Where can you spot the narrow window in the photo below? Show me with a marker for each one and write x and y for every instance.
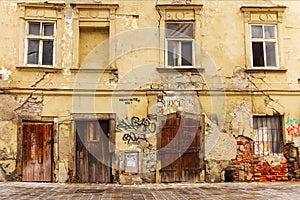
(179, 43)
(264, 46)
(268, 135)
(40, 43)
(93, 131)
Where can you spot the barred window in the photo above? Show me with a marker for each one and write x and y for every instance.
(268, 135)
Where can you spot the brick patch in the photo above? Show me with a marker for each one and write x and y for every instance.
(250, 167)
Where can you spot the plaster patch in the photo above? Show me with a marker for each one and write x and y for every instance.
(8, 140)
(5, 74)
(225, 148)
(274, 160)
(239, 80)
(241, 116)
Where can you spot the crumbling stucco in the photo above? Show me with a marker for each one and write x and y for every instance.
(218, 145)
(241, 118)
(66, 152)
(8, 150)
(32, 107)
(239, 80)
(4, 74)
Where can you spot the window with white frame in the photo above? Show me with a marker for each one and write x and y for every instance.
(268, 135)
(40, 39)
(264, 46)
(179, 44)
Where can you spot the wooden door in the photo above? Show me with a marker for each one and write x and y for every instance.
(180, 147)
(93, 158)
(37, 152)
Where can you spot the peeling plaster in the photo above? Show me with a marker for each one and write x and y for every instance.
(67, 42)
(218, 145)
(31, 107)
(241, 116)
(8, 140)
(7, 170)
(274, 161)
(225, 148)
(171, 102)
(8, 109)
(5, 73)
(239, 80)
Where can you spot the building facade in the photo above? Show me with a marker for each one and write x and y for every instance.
(149, 91)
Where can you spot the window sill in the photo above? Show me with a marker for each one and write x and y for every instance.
(177, 69)
(38, 68)
(91, 70)
(259, 70)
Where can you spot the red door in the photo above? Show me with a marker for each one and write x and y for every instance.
(37, 151)
(181, 140)
(92, 148)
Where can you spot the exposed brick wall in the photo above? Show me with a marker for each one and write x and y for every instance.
(250, 167)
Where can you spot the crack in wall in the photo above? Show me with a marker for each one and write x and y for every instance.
(31, 107)
(40, 80)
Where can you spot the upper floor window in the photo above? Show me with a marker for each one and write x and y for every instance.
(264, 46)
(180, 44)
(179, 23)
(263, 37)
(40, 43)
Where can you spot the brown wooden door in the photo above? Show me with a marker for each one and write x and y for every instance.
(180, 148)
(37, 152)
(93, 158)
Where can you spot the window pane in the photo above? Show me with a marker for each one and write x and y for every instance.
(187, 53)
(269, 32)
(33, 52)
(34, 28)
(270, 54)
(48, 29)
(180, 30)
(173, 53)
(256, 32)
(257, 54)
(47, 52)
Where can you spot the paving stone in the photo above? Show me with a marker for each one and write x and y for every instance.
(184, 191)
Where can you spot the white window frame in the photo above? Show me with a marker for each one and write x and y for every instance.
(180, 40)
(264, 40)
(41, 38)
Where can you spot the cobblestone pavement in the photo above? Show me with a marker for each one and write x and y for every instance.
(220, 191)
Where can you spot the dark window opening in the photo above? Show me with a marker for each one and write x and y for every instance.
(258, 54)
(47, 52)
(33, 52)
(187, 53)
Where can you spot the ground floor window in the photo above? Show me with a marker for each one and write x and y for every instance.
(268, 135)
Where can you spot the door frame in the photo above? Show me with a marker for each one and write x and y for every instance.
(20, 144)
(111, 117)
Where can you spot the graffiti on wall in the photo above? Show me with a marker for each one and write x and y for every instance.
(136, 123)
(293, 127)
(137, 131)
